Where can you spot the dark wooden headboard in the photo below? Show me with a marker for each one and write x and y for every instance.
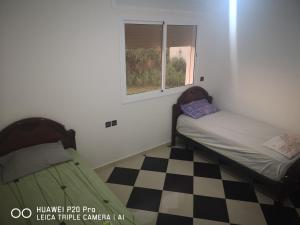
(34, 131)
(192, 94)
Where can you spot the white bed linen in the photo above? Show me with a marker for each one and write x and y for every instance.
(239, 138)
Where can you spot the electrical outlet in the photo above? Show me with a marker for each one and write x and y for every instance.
(114, 123)
(202, 78)
(108, 124)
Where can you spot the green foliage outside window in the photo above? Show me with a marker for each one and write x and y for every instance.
(175, 72)
(143, 70)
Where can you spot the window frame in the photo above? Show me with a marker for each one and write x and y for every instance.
(162, 91)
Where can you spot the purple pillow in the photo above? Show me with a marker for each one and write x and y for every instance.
(199, 108)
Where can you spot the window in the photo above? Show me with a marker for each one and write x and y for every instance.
(143, 57)
(181, 42)
(158, 56)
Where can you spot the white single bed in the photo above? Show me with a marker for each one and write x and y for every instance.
(239, 138)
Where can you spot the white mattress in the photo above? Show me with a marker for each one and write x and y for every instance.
(240, 139)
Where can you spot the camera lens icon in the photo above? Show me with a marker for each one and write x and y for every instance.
(17, 213)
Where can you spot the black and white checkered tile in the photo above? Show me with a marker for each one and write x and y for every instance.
(184, 187)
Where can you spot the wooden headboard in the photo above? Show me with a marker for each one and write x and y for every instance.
(34, 131)
(192, 94)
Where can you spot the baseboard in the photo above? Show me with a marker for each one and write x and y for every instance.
(165, 143)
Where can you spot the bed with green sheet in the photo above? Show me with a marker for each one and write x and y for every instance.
(65, 193)
(70, 187)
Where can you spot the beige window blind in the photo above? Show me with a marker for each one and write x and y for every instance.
(143, 35)
(181, 35)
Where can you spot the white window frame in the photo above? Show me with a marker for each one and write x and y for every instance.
(163, 91)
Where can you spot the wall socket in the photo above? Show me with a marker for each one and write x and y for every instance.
(202, 78)
(111, 123)
(107, 124)
(114, 123)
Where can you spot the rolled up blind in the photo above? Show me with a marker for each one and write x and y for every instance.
(143, 35)
(181, 35)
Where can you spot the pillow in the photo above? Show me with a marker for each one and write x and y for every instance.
(1, 169)
(199, 108)
(32, 159)
(3, 160)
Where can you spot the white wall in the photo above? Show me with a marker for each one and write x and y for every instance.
(267, 84)
(60, 59)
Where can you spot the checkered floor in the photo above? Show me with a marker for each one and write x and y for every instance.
(177, 186)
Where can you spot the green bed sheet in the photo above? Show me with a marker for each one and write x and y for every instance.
(72, 188)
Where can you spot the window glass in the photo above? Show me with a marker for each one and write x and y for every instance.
(181, 44)
(143, 46)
